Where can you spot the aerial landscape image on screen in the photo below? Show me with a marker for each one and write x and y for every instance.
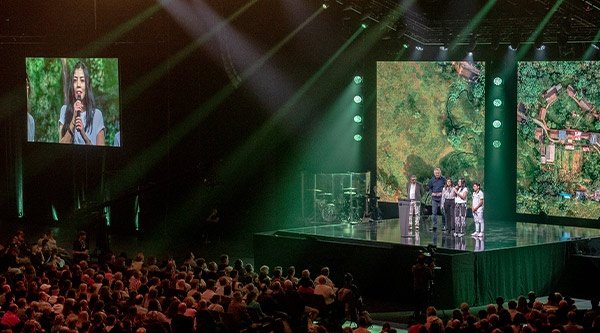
(558, 128)
(429, 114)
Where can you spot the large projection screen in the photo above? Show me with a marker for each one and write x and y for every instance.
(558, 133)
(429, 114)
(73, 101)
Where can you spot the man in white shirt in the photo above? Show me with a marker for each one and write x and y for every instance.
(414, 189)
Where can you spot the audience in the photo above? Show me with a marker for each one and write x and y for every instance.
(42, 290)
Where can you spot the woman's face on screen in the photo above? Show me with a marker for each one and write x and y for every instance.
(79, 83)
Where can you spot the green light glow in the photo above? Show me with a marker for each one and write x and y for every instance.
(358, 99)
(497, 102)
(54, 213)
(357, 137)
(364, 25)
(497, 81)
(470, 27)
(358, 79)
(358, 119)
(538, 30)
(497, 123)
(497, 143)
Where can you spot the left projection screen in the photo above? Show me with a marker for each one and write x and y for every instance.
(73, 101)
(429, 114)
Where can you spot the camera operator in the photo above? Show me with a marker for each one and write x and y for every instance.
(422, 273)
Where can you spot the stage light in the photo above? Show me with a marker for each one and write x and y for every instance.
(364, 25)
(497, 80)
(514, 42)
(470, 54)
(472, 43)
(405, 45)
(357, 99)
(358, 119)
(496, 143)
(443, 48)
(358, 79)
(497, 123)
(595, 46)
(357, 137)
(539, 43)
(325, 5)
(497, 102)
(419, 48)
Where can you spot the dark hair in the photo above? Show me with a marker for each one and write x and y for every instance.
(89, 100)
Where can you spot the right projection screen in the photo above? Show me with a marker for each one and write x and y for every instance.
(558, 133)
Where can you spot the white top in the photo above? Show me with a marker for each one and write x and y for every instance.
(413, 189)
(92, 132)
(460, 200)
(477, 198)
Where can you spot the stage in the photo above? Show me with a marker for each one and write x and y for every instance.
(512, 258)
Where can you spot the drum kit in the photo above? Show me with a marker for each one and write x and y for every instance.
(348, 207)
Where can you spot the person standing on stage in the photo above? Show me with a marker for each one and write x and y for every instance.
(477, 208)
(436, 184)
(448, 196)
(460, 207)
(414, 189)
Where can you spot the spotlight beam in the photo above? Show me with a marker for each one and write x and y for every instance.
(470, 27)
(152, 155)
(93, 48)
(590, 51)
(153, 76)
(524, 48)
(262, 139)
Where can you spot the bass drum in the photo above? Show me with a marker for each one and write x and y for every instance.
(329, 213)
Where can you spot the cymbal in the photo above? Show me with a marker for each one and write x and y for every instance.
(349, 189)
(313, 190)
(349, 193)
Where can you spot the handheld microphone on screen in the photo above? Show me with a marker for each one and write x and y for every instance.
(78, 99)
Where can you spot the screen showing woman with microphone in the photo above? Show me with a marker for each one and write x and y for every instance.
(80, 121)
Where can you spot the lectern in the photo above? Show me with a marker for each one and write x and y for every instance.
(403, 210)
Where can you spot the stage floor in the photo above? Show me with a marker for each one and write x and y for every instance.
(497, 235)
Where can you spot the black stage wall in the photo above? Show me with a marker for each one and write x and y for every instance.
(382, 270)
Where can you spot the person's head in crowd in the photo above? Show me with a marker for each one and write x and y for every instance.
(224, 259)
(431, 311)
(504, 318)
(321, 280)
(491, 309)
(288, 285)
(457, 314)
(325, 271)
(264, 269)
(249, 269)
(154, 305)
(499, 302)
(482, 314)
(436, 326)
(519, 319)
(203, 305)
(212, 266)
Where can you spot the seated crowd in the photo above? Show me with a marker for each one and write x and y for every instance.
(48, 289)
(44, 291)
(524, 315)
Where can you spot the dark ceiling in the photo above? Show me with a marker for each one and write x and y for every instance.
(435, 22)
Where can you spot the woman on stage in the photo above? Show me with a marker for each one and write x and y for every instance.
(460, 207)
(448, 196)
